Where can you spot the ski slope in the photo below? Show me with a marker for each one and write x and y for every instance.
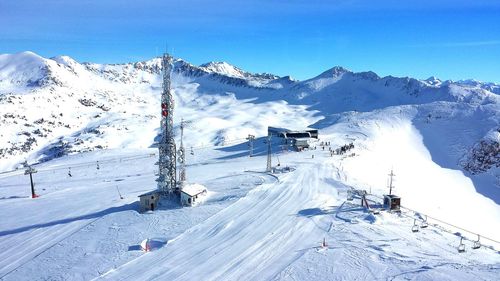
(250, 239)
(74, 211)
(253, 226)
(66, 116)
(279, 226)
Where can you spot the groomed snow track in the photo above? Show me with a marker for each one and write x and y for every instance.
(252, 239)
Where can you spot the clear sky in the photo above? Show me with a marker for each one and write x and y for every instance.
(450, 39)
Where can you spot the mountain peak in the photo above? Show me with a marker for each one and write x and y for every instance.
(21, 58)
(223, 68)
(215, 64)
(335, 71)
(433, 80)
(21, 69)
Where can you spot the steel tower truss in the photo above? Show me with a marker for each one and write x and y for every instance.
(167, 150)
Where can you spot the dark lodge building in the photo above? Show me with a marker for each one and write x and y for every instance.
(289, 134)
(299, 139)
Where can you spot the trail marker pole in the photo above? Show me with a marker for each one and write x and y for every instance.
(121, 197)
(30, 172)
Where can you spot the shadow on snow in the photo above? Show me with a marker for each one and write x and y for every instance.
(99, 214)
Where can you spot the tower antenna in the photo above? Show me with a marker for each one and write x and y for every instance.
(167, 182)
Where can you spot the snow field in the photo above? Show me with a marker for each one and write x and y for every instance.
(253, 226)
(251, 245)
(271, 233)
(80, 224)
(424, 185)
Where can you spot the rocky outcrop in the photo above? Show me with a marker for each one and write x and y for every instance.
(483, 156)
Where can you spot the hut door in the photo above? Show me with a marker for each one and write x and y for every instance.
(152, 207)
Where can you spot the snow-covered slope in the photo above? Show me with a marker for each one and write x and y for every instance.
(52, 107)
(439, 137)
(48, 101)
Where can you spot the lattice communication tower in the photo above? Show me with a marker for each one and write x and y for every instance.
(167, 182)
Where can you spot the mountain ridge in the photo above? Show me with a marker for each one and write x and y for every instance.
(103, 97)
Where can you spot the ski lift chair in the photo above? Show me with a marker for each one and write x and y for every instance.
(477, 244)
(424, 223)
(414, 228)
(461, 247)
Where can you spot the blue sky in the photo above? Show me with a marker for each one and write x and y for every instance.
(302, 38)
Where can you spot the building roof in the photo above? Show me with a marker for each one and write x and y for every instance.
(287, 133)
(193, 189)
(277, 129)
(149, 193)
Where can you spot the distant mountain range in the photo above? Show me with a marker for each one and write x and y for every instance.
(52, 107)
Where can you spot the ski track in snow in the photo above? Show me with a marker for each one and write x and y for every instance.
(255, 235)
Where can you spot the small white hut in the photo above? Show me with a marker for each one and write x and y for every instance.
(149, 201)
(192, 193)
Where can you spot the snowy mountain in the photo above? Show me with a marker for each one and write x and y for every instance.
(226, 69)
(72, 103)
(440, 137)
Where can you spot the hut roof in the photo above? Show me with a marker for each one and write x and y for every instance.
(152, 192)
(193, 189)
